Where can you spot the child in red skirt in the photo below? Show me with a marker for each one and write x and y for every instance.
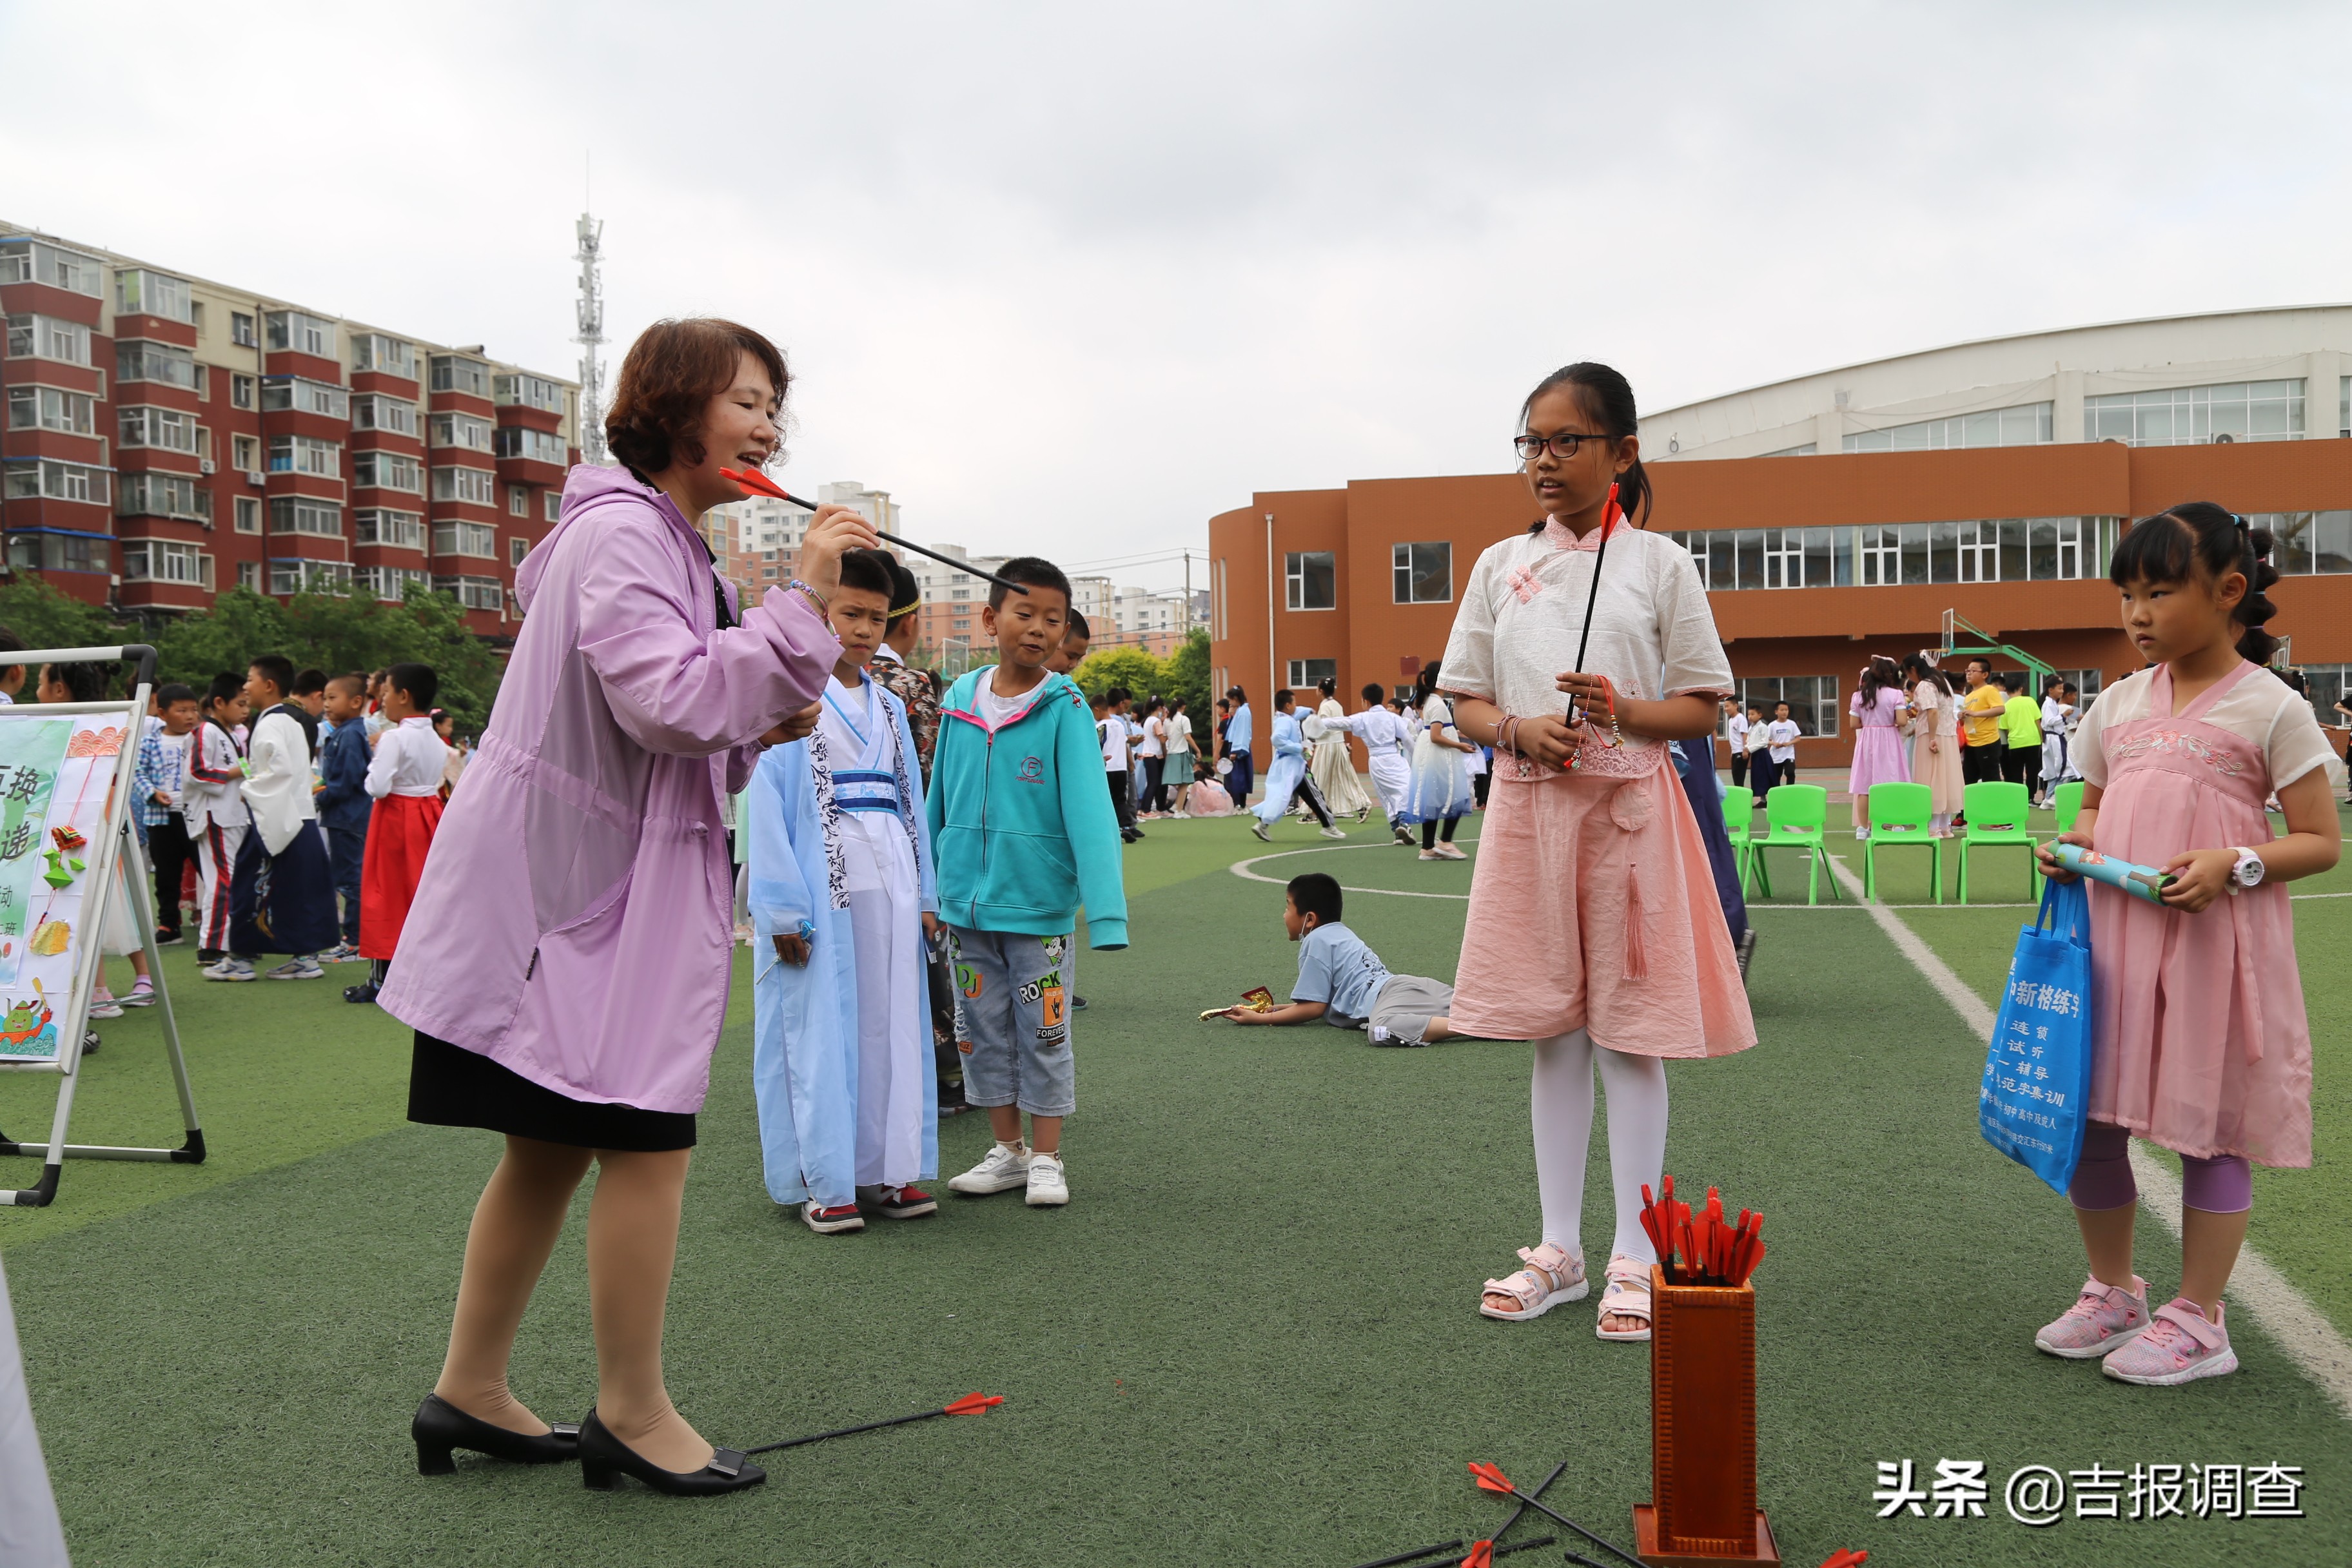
(405, 777)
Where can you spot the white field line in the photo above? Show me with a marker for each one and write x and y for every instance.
(1241, 868)
(2300, 1329)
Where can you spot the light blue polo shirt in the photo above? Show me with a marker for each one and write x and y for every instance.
(1338, 970)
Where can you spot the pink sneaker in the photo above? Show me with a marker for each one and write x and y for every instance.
(2179, 1346)
(2103, 1318)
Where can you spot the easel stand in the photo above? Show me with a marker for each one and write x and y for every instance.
(115, 853)
(1702, 1430)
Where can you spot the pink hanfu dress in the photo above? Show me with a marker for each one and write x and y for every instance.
(2201, 1042)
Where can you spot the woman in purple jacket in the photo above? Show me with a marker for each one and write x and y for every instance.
(566, 961)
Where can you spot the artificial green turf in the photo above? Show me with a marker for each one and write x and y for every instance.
(1251, 1338)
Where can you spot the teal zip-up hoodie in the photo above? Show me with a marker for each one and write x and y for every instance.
(1023, 828)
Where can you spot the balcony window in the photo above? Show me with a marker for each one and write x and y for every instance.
(394, 583)
(303, 455)
(52, 408)
(528, 391)
(165, 561)
(478, 539)
(45, 479)
(164, 495)
(1424, 573)
(462, 430)
(46, 337)
(455, 373)
(473, 592)
(240, 330)
(282, 393)
(386, 471)
(139, 292)
(300, 514)
(60, 550)
(473, 486)
(138, 359)
(373, 411)
(2192, 415)
(374, 525)
(1309, 580)
(2026, 424)
(297, 332)
(538, 445)
(163, 429)
(35, 261)
(373, 351)
(300, 574)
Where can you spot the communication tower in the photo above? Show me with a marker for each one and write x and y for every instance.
(591, 339)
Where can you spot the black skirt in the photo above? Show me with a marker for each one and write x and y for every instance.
(449, 1085)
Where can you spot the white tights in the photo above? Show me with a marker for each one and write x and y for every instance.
(1561, 1101)
(1939, 821)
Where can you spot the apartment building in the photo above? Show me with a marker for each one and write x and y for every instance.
(167, 437)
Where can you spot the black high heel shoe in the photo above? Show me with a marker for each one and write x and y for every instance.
(440, 1426)
(605, 1459)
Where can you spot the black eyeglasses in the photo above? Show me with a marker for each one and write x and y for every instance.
(1563, 444)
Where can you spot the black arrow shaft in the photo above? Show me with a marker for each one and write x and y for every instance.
(844, 1431)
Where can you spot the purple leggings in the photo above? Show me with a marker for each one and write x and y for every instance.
(2224, 1184)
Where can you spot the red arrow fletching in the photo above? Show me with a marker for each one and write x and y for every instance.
(1491, 1478)
(752, 479)
(974, 1403)
(1482, 1555)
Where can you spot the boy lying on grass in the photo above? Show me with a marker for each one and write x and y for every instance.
(1344, 982)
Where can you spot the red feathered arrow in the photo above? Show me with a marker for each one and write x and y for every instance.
(970, 1404)
(752, 479)
(1492, 1480)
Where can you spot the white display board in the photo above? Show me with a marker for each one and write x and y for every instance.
(57, 775)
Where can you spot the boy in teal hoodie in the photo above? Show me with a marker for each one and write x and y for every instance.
(1023, 834)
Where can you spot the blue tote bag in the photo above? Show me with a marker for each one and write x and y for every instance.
(2037, 1074)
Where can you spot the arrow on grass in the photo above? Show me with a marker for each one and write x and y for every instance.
(1483, 1553)
(1491, 1478)
(970, 1404)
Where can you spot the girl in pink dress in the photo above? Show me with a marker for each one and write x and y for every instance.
(1935, 742)
(2199, 1039)
(1877, 709)
(1594, 928)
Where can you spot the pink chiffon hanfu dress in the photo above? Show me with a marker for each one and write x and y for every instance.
(2200, 1039)
(1592, 905)
(1878, 742)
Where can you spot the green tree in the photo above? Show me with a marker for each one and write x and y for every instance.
(1129, 666)
(43, 618)
(339, 635)
(1185, 674)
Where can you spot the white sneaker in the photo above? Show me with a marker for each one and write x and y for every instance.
(1333, 833)
(230, 969)
(1005, 1168)
(1048, 1188)
(105, 1007)
(1258, 828)
(301, 967)
(1446, 851)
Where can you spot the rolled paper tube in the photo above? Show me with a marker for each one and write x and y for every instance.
(2141, 881)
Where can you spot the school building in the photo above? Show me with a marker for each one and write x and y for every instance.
(1850, 513)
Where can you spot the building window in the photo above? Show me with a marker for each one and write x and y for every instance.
(2001, 549)
(516, 548)
(1425, 572)
(473, 485)
(46, 336)
(373, 525)
(2026, 425)
(2191, 415)
(164, 429)
(1312, 579)
(29, 260)
(282, 393)
(245, 453)
(373, 411)
(394, 583)
(478, 539)
(296, 333)
(248, 514)
(300, 574)
(2308, 543)
(303, 455)
(44, 479)
(165, 561)
(551, 504)
(1812, 700)
(300, 514)
(60, 550)
(537, 446)
(473, 592)
(139, 292)
(530, 392)
(518, 500)
(387, 471)
(1807, 450)
(462, 430)
(163, 495)
(248, 575)
(240, 330)
(241, 392)
(1308, 674)
(454, 373)
(52, 408)
(168, 363)
(391, 356)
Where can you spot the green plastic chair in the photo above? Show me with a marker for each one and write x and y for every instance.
(2067, 804)
(1998, 814)
(1795, 818)
(1899, 814)
(1738, 818)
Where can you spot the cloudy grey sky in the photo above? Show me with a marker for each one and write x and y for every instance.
(1071, 278)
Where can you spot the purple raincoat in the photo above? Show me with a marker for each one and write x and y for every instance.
(574, 921)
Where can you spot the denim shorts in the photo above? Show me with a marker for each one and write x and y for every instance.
(1013, 1019)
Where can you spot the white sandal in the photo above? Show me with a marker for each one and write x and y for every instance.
(1551, 1278)
(1627, 1295)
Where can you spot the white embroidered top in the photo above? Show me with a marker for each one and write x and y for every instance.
(2261, 709)
(1523, 610)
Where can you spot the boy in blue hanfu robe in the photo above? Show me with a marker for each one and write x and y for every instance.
(1288, 779)
(841, 871)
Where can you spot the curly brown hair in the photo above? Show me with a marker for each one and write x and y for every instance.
(671, 373)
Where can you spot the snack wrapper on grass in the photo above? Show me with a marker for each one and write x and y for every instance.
(2141, 881)
(1257, 999)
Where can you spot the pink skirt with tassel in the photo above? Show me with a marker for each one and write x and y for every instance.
(1593, 907)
